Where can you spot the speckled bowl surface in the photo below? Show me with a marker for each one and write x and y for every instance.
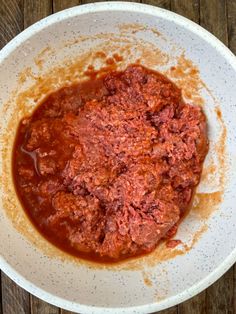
(52, 53)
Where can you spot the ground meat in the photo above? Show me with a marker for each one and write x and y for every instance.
(106, 168)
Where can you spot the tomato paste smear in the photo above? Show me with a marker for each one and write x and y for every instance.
(106, 168)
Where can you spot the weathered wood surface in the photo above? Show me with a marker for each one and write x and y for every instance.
(59, 5)
(11, 20)
(231, 19)
(14, 299)
(164, 4)
(217, 16)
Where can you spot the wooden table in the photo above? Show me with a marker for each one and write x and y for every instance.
(217, 16)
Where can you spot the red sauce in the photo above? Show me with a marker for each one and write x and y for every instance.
(106, 168)
(173, 243)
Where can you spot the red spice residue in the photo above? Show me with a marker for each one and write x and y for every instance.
(117, 57)
(110, 61)
(173, 243)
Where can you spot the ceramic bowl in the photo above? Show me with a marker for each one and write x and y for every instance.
(55, 52)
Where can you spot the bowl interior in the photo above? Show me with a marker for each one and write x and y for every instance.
(55, 52)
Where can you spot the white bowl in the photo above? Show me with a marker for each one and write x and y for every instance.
(160, 39)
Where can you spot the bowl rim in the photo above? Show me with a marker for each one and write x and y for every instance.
(182, 22)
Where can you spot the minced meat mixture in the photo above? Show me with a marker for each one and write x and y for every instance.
(106, 168)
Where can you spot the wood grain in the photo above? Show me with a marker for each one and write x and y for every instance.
(59, 5)
(164, 4)
(220, 296)
(40, 307)
(11, 20)
(234, 289)
(1, 311)
(231, 15)
(14, 299)
(187, 8)
(36, 10)
(172, 310)
(196, 305)
(88, 1)
(213, 17)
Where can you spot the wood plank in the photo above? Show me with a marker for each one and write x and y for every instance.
(164, 4)
(59, 5)
(14, 299)
(1, 311)
(40, 307)
(89, 1)
(125, 0)
(172, 310)
(36, 10)
(231, 14)
(187, 8)
(220, 296)
(234, 296)
(196, 305)
(213, 17)
(11, 21)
